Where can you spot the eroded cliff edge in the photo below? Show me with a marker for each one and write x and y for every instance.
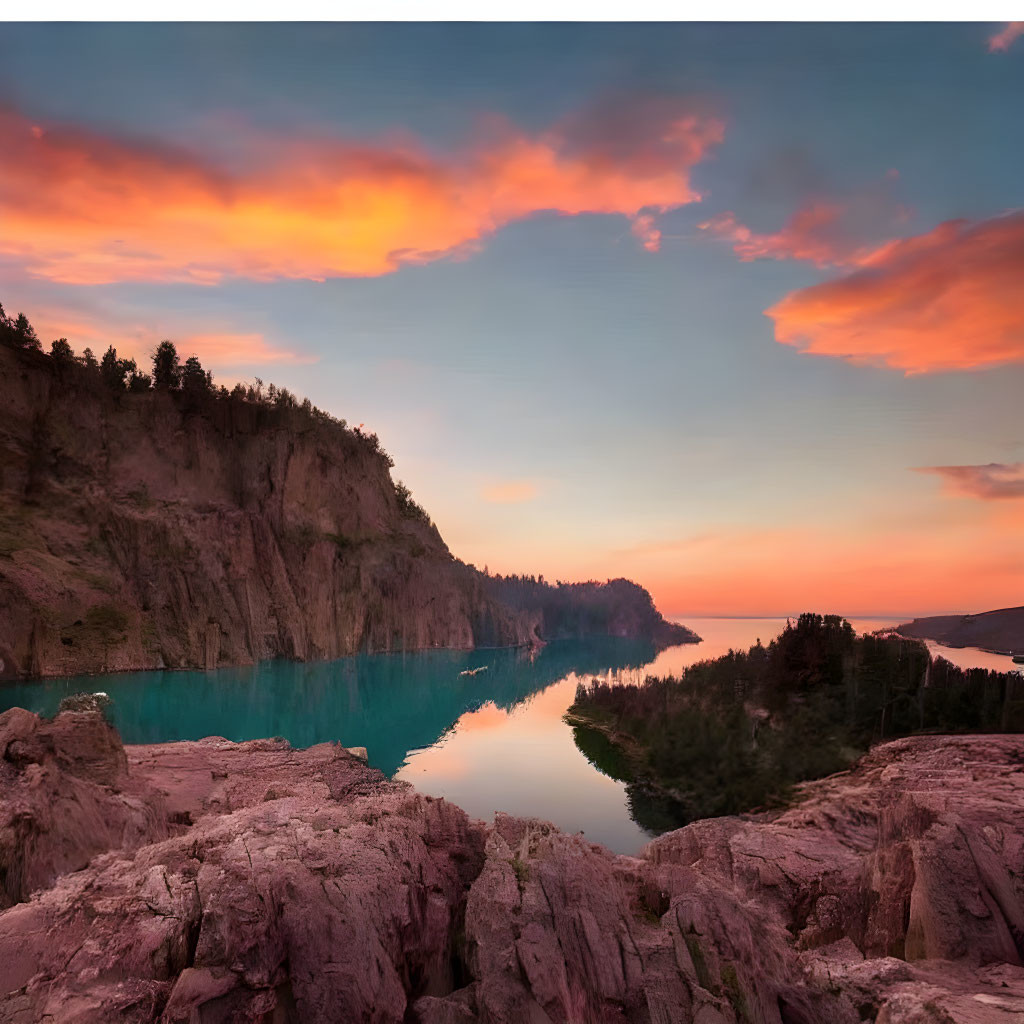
(253, 882)
(150, 530)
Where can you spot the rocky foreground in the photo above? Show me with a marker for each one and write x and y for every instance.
(212, 881)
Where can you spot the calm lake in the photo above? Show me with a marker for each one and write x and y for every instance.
(493, 740)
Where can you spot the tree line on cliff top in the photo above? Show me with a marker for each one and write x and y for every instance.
(586, 608)
(736, 733)
(188, 382)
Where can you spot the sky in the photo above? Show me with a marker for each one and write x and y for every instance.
(733, 310)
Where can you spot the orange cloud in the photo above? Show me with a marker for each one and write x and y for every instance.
(83, 208)
(510, 492)
(945, 300)
(989, 482)
(1004, 39)
(812, 234)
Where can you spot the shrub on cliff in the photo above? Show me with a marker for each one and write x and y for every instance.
(137, 380)
(408, 506)
(196, 383)
(24, 333)
(88, 362)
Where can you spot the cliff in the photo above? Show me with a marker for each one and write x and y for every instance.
(617, 608)
(158, 529)
(252, 882)
(1001, 631)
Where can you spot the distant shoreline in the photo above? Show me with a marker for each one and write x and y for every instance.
(999, 632)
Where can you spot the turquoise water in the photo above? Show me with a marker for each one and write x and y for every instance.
(399, 706)
(389, 703)
(492, 741)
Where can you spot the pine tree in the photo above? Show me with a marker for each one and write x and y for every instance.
(62, 352)
(166, 367)
(194, 380)
(113, 370)
(24, 334)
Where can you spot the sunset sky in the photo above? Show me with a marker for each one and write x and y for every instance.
(734, 310)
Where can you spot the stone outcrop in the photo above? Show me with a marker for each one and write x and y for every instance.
(302, 886)
(144, 531)
(901, 881)
(65, 796)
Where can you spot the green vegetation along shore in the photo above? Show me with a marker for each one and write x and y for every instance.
(737, 733)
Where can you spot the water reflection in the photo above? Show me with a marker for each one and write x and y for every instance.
(389, 703)
(483, 728)
(523, 760)
(972, 657)
(491, 740)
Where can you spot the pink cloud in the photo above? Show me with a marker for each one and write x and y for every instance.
(645, 228)
(989, 482)
(813, 234)
(826, 231)
(97, 329)
(1005, 38)
(228, 349)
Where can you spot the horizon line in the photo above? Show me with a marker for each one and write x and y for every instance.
(902, 616)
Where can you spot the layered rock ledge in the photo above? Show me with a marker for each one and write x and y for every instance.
(212, 881)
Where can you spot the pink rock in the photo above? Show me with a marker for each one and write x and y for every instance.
(65, 796)
(281, 885)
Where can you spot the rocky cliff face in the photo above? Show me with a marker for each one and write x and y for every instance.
(303, 886)
(139, 532)
(618, 608)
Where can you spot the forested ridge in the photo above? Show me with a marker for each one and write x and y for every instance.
(736, 733)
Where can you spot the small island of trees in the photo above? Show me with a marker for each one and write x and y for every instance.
(736, 733)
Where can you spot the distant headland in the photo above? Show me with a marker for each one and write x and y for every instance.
(1000, 631)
